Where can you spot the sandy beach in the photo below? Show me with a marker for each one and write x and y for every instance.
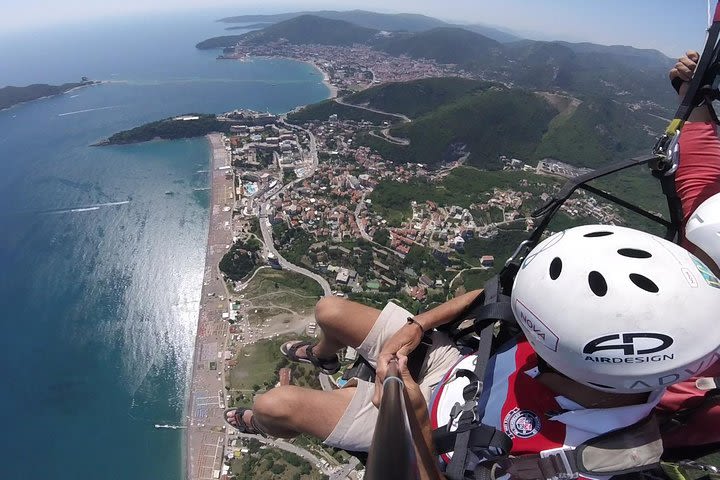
(206, 398)
(326, 80)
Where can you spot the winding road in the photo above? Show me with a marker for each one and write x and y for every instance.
(402, 117)
(270, 246)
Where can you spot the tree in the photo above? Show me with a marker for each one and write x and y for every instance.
(382, 236)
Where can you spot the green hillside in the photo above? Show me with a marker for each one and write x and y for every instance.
(224, 41)
(391, 22)
(444, 45)
(599, 131)
(417, 97)
(169, 129)
(379, 21)
(307, 29)
(492, 123)
(463, 187)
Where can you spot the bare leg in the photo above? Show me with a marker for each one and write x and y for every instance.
(288, 411)
(343, 323)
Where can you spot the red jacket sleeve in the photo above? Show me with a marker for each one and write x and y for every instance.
(698, 176)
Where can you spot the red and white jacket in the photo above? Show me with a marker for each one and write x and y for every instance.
(696, 180)
(514, 402)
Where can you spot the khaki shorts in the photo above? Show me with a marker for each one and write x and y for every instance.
(355, 429)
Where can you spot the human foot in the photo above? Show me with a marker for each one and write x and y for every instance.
(242, 420)
(303, 352)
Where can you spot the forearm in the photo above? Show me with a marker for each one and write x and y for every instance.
(446, 312)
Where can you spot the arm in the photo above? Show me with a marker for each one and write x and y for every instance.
(418, 417)
(409, 336)
(698, 176)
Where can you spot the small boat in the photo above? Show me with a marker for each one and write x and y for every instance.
(168, 192)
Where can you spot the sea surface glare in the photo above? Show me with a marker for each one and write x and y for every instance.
(100, 270)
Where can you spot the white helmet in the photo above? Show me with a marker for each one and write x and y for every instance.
(617, 309)
(703, 228)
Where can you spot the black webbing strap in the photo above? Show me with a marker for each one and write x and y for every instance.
(681, 417)
(456, 468)
(709, 56)
(491, 437)
(484, 314)
(667, 182)
(548, 210)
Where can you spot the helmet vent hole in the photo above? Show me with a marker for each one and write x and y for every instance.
(597, 234)
(555, 268)
(634, 253)
(597, 283)
(643, 282)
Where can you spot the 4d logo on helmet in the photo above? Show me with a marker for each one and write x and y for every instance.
(632, 347)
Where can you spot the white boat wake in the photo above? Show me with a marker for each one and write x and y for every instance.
(174, 427)
(87, 110)
(85, 208)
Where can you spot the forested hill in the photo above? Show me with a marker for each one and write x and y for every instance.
(306, 29)
(185, 126)
(389, 22)
(626, 73)
(10, 96)
(416, 97)
(453, 116)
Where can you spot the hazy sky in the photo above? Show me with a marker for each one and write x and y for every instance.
(667, 25)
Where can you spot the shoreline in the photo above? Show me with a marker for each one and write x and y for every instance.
(199, 437)
(326, 77)
(205, 433)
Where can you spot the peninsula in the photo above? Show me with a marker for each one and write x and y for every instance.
(174, 128)
(10, 96)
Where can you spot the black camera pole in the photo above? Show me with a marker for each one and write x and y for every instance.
(392, 452)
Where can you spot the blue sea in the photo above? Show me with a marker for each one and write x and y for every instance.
(100, 269)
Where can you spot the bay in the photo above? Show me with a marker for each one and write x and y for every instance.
(100, 269)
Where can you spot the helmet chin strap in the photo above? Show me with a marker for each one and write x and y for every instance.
(586, 396)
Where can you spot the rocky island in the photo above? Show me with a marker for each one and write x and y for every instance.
(10, 96)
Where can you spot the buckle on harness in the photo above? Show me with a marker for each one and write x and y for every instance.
(457, 411)
(559, 457)
(471, 392)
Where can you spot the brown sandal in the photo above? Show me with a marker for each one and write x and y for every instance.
(328, 366)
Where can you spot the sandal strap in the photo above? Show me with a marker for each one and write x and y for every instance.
(325, 363)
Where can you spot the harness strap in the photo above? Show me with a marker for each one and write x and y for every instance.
(488, 312)
(483, 436)
(667, 182)
(626, 450)
(680, 417)
(555, 466)
(456, 468)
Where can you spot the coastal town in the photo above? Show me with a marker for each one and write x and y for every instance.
(306, 200)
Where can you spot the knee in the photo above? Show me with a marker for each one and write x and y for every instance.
(329, 311)
(276, 404)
